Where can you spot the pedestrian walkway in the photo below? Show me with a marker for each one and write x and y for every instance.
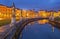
(4, 30)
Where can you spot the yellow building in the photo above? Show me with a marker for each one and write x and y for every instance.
(48, 13)
(31, 14)
(6, 12)
(24, 13)
(59, 13)
(18, 12)
(56, 14)
(2, 10)
(43, 14)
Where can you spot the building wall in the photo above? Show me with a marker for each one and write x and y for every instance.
(6, 12)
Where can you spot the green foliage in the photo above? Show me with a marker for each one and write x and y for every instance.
(57, 19)
(4, 22)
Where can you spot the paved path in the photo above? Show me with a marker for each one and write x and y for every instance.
(4, 29)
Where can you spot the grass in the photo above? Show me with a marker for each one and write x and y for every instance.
(57, 19)
(5, 22)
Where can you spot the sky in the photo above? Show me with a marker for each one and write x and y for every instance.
(34, 4)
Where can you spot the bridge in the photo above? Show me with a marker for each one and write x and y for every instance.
(15, 31)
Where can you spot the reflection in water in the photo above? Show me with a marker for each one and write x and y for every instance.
(44, 21)
(31, 23)
(37, 31)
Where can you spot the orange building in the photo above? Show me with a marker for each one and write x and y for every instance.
(31, 14)
(6, 12)
(43, 14)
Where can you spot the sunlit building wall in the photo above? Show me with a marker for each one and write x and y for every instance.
(33, 13)
(2, 10)
(29, 12)
(24, 13)
(56, 14)
(39, 13)
(48, 14)
(59, 13)
(6, 12)
(43, 14)
(18, 12)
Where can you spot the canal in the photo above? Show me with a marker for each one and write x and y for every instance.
(40, 31)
